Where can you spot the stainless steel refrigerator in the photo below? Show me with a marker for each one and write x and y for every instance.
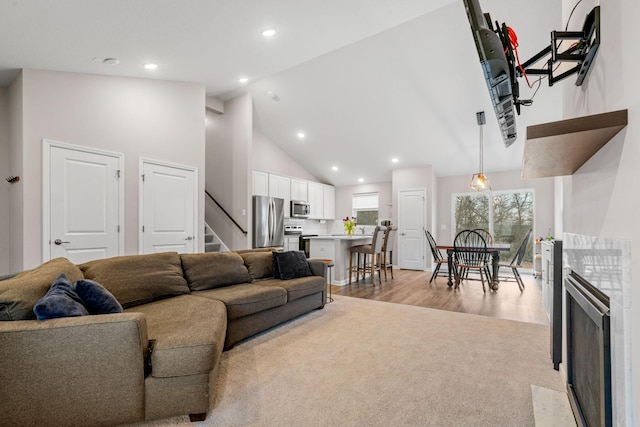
(268, 221)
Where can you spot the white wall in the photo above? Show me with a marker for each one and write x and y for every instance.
(138, 117)
(268, 157)
(5, 171)
(543, 196)
(602, 196)
(228, 154)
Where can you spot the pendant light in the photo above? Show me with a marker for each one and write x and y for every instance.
(479, 181)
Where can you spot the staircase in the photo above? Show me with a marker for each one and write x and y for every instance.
(212, 242)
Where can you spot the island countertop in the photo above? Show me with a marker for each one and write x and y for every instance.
(337, 248)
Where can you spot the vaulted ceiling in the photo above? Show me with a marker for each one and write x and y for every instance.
(365, 80)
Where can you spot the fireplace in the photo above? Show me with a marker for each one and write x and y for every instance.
(588, 352)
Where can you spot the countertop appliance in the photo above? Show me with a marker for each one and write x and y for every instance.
(300, 209)
(268, 221)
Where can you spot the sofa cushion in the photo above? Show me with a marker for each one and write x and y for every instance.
(138, 279)
(96, 298)
(189, 334)
(60, 301)
(299, 287)
(214, 269)
(289, 265)
(246, 298)
(20, 293)
(259, 264)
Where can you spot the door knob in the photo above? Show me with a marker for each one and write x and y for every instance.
(189, 238)
(59, 242)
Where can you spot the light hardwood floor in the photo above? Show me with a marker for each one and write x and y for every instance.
(413, 288)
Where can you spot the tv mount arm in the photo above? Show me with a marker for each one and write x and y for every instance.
(582, 51)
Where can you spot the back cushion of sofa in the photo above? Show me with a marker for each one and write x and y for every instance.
(214, 269)
(19, 294)
(139, 279)
(259, 264)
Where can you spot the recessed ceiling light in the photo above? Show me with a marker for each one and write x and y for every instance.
(395, 160)
(150, 66)
(360, 179)
(334, 168)
(243, 80)
(301, 135)
(269, 32)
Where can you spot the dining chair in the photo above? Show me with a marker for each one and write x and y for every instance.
(516, 262)
(375, 250)
(438, 258)
(390, 238)
(470, 253)
(485, 234)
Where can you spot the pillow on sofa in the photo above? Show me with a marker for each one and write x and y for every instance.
(19, 294)
(60, 301)
(290, 265)
(214, 269)
(259, 264)
(139, 279)
(96, 298)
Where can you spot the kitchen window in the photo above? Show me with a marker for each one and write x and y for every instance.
(365, 208)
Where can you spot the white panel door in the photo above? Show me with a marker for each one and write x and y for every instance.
(82, 196)
(411, 245)
(168, 208)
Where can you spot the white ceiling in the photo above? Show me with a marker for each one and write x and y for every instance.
(366, 80)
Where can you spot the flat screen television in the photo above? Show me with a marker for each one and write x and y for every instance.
(497, 60)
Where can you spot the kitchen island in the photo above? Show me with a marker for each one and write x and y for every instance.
(336, 248)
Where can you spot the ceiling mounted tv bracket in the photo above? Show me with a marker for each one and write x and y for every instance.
(582, 51)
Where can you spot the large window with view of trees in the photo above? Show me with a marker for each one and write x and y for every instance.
(508, 216)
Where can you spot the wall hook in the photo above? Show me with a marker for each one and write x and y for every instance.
(13, 179)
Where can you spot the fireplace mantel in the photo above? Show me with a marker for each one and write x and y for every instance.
(560, 148)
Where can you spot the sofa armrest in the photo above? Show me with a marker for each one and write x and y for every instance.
(73, 371)
(318, 268)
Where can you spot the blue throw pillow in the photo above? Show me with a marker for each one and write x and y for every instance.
(96, 298)
(60, 301)
(290, 265)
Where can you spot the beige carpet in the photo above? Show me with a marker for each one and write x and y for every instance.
(368, 363)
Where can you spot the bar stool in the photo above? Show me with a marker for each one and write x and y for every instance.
(330, 265)
(374, 249)
(390, 238)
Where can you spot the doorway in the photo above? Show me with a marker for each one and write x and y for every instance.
(83, 205)
(168, 207)
(411, 221)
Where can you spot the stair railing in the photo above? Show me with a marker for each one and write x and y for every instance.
(226, 213)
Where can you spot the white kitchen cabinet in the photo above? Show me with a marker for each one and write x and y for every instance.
(299, 190)
(315, 192)
(329, 202)
(291, 243)
(260, 183)
(280, 186)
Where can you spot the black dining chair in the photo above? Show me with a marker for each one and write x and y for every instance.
(516, 262)
(470, 253)
(438, 258)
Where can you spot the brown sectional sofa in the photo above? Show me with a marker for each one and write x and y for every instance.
(180, 312)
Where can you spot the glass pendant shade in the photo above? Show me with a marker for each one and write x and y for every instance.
(479, 181)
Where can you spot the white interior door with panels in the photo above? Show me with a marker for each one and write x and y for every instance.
(83, 205)
(411, 221)
(168, 207)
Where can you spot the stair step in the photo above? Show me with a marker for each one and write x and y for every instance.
(212, 247)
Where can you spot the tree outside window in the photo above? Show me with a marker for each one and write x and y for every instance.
(507, 215)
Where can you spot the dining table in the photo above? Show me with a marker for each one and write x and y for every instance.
(492, 249)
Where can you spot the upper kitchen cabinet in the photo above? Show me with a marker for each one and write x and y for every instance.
(299, 190)
(260, 183)
(329, 200)
(316, 200)
(280, 186)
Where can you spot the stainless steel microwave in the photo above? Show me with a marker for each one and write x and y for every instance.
(299, 209)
